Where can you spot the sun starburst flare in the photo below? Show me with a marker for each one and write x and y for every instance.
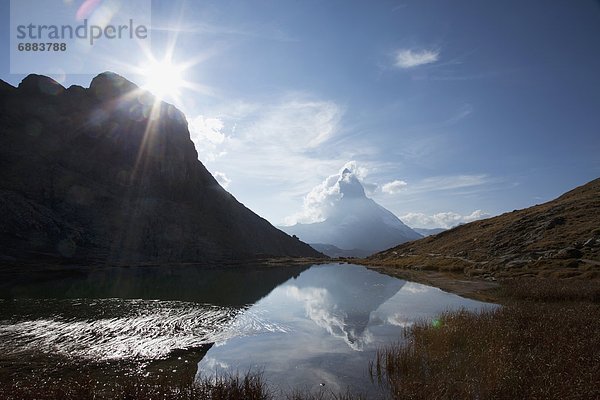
(164, 79)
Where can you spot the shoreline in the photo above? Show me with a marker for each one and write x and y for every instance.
(448, 281)
(451, 282)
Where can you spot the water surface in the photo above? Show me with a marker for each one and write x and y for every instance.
(330, 321)
(303, 327)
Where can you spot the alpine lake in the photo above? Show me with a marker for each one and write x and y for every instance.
(302, 327)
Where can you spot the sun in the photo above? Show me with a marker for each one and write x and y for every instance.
(163, 79)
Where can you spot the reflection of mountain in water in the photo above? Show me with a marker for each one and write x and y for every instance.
(342, 303)
(125, 314)
(234, 287)
(323, 327)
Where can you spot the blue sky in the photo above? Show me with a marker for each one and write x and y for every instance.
(442, 108)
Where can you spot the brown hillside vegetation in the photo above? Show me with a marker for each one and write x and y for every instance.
(560, 238)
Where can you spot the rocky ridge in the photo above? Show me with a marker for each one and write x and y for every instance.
(110, 174)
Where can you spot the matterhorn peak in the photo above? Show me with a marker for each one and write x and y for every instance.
(354, 224)
(350, 186)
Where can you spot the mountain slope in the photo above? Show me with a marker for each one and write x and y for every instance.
(355, 222)
(428, 231)
(560, 237)
(336, 252)
(110, 174)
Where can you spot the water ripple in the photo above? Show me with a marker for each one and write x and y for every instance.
(111, 329)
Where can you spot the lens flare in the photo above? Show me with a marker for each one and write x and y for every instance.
(163, 79)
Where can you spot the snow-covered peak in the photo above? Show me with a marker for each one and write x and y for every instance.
(352, 221)
(350, 186)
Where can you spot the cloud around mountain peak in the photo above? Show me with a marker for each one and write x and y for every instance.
(320, 202)
(338, 212)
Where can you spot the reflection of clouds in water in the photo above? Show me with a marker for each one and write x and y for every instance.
(412, 287)
(328, 323)
(321, 310)
(211, 364)
(399, 320)
(251, 322)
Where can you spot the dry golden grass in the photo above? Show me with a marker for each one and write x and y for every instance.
(543, 344)
(249, 387)
(550, 290)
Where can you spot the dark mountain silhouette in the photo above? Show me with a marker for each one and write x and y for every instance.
(110, 174)
(557, 238)
(355, 223)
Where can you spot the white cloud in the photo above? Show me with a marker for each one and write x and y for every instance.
(441, 220)
(451, 182)
(279, 146)
(322, 198)
(208, 129)
(318, 202)
(357, 169)
(282, 132)
(408, 58)
(207, 135)
(222, 178)
(296, 123)
(393, 187)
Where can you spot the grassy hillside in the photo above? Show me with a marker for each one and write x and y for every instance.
(560, 238)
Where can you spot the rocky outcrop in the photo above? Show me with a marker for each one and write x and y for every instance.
(110, 174)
